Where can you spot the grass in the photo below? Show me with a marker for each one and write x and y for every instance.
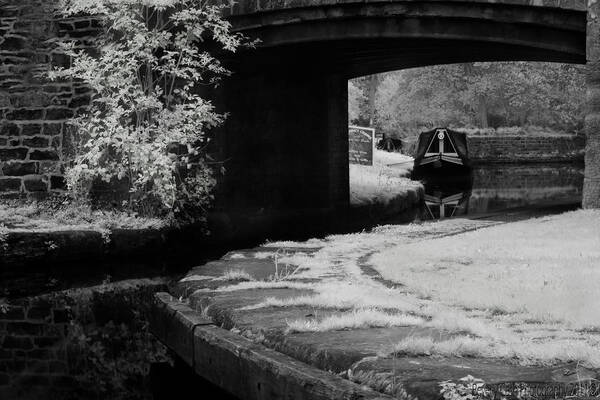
(392, 158)
(523, 352)
(380, 183)
(235, 275)
(528, 290)
(357, 319)
(525, 292)
(60, 214)
(345, 296)
(546, 269)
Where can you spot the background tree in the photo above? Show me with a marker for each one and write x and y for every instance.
(475, 95)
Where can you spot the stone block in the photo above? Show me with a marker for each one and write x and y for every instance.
(52, 129)
(58, 182)
(54, 88)
(63, 381)
(47, 341)
(15, 153)
(30, 99)
(83, 89)
(59, 113)
(55, 329)
(39, 313)
(81, 34)
(12, 313)
(60, 60)
(39, 354)
(19, 168)
(9, 129)
(61, 316)
(17, 342)
(37, 366)
(9, 185)
(36, 141)
(24, 328)
(57, 367)
(82, 24)
(34, 183)
(25, 114)
(13, 43)
(31, 129)
(43, 155)
(80, 101)
(34, 380)
(13, 366)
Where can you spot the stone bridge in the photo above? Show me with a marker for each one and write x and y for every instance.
(286, 138)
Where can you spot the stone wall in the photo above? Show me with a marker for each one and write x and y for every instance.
(33, 110)
(522, 149)
(52, 346)
(516, 176)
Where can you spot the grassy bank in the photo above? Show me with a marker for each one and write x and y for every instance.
(382, 183)
(522, 292)
(60, 214)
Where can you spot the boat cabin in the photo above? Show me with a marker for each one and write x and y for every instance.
(442, 148)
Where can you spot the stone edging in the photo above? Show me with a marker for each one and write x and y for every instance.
(244, 368)
(23, 247)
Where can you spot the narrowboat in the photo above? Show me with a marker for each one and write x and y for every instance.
(442, 151)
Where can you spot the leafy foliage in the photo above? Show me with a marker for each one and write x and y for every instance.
(475, 95)
(117, 357)
(147, 123)
(468, 388)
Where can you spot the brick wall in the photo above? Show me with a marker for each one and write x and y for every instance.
(486, 149)
(33, 111)
(41, 354)
(502, 176)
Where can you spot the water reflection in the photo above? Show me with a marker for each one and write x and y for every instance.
(490, 189)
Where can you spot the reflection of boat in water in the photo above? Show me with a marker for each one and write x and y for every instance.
(442, 151)
(446, 196)
(441, 205)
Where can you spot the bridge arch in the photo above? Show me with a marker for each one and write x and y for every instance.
(286, 137)
(365, 37)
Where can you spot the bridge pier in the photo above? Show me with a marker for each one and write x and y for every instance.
(285, 142)
(591, 189)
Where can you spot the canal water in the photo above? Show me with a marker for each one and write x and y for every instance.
(496, 189)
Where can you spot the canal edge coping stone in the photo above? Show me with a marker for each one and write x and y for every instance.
(246, 369)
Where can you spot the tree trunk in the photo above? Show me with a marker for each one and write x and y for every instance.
(522, 118)
(482, 111)
(591, 187)
(373, 83)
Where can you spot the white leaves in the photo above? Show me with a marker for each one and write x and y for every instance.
(144, 77)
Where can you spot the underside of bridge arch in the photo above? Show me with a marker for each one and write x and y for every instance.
(285, 141)
(360, 38)
(360, 57)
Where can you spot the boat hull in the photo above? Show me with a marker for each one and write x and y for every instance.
(440, 167)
